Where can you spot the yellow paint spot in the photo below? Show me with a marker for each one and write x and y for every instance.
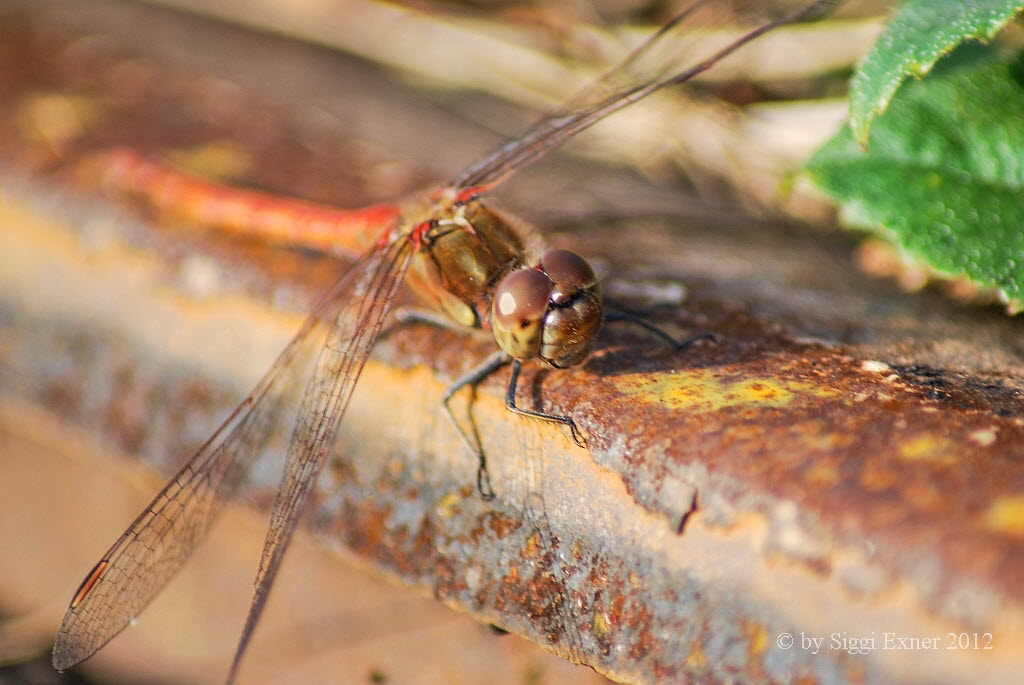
(55, 119)
(635, 580)
(709, 390)
(757, 640)
(448, 506)
(602, 626)
(696, 659)
(218, 159)
(1006, 515)
(928, 447)
(532, 548)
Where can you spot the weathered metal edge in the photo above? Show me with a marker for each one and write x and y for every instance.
(584, 558)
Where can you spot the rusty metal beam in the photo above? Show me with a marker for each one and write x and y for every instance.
(844, 465)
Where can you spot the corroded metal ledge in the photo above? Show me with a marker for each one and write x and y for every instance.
(731, 493)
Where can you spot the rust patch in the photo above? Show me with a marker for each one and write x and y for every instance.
(710, 390)
(1006, 515)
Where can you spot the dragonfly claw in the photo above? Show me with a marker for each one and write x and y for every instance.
(683, 344)
(577, 437)
(483, 482)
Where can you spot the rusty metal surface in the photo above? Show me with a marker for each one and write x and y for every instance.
(844, 465)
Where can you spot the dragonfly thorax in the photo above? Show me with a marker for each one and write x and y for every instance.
(552, 311)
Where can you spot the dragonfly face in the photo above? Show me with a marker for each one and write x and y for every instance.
(478, 267)
(552, 311)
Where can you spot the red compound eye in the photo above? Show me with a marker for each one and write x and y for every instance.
(569, 273)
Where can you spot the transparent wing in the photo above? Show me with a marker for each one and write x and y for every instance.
(343, 326)
(606, 98)
(356, 326)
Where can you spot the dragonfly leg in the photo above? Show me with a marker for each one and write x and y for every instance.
(510, 403)
(472, 438)
(618, 316)
(407, 315)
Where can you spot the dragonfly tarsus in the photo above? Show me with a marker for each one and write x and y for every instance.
(683, 344)
(623, 316)
(510, 404)
(409, 315)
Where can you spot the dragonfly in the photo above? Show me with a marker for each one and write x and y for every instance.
(478, 267)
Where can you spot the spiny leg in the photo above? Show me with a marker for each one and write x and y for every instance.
(510, 404)
(623, 316)
(403, 316)
(472, 378)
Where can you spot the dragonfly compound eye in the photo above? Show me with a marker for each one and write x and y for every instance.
(569, 273)
(517, 312)
(575, 315)
(553, 312)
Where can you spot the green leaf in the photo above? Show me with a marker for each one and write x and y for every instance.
(943, 175)
(919, 33)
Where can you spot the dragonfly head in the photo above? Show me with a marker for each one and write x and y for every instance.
(552, 311)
